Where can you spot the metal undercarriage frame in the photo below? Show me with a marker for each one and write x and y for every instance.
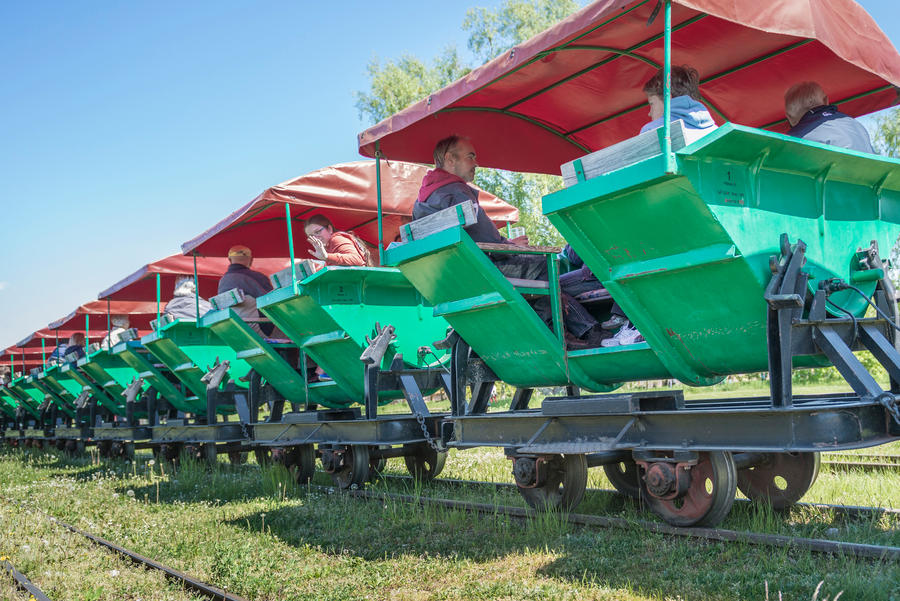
(663, 421)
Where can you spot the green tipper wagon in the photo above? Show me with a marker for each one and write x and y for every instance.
(742, 250)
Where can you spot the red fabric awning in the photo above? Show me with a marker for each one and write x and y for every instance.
(141, 285)
(577, 87)
(345, 193)
(140, 314)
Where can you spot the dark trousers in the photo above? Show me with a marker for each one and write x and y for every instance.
(576, 282)
(534, 267)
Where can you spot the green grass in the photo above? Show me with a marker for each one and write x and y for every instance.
(256, 533)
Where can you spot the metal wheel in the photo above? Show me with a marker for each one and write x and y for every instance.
(423, 462)
(263, 455)
(104, 447)
(625, 477)
(71, 447)
(376, 466)
(707, 496)
(300, 460)
(552, 481)
(169, 452)
(208, 453)
(116, 449)
(782, 479)
(237, 457)
(351, 466)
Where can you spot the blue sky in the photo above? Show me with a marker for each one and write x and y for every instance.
(127, 128)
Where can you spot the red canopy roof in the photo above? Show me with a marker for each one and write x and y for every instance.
(140, 314)
(141, 285)
(577, 87)
(345, 193)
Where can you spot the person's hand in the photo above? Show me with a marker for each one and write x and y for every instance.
(318, 250)
(521, 240)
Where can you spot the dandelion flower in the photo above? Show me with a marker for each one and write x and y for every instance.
(130, 493)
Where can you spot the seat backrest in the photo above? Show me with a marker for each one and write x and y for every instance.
(627, 152)
(304, 268)
(460, 214)
(229, 298)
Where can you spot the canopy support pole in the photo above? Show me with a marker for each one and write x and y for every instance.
(108, 321)
(667, 91)
(43, 354)
(378, 157)
(290, 234)
(196, 290)
(87, 333)
(158, 295)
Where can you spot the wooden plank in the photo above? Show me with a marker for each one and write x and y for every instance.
(229, 298)
(304, 269)
(518, 248)
(627, 152)
(461, 214)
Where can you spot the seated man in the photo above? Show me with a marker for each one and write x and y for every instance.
(183, 305)
(75, 345)
(335, 247)
(812, 118)
(120, 323)
(447, 185)
(253, 283)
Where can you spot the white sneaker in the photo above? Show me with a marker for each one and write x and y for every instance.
(628, 334)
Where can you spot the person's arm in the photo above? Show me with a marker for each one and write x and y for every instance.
(342, 250)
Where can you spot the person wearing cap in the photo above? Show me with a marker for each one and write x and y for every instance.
(120, 323)
(253, 283)
(183, 305)
(812, 118)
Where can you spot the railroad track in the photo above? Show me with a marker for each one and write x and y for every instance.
(826, 546)
(855, 511)
(189, 582)
(22, 582)
(861, 461)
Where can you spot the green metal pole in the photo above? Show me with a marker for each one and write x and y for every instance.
(667, 91)
(43, 354)
(380, 216)
(108, 320)
(196, 290)
(87, 333)
(290, 234)
(158, 295)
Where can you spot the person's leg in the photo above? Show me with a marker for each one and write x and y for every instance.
(526, 267)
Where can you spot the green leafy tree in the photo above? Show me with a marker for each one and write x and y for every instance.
(395, 84)
(887, 142)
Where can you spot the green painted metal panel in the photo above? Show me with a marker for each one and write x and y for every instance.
(116, 406)
(63, 397)
(134, 354)
(108, 371)
(686, 253)
(189, 350)
(336, 308)
(29, 396)
(493, 317)
(12, 401)
(233, 331)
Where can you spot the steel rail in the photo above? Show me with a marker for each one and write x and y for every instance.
(848, 510)
(859, 550)
(22, 582)
(863, 465)
(213, 592)
(187, 581)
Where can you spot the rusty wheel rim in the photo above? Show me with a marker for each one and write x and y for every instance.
(709, 496)
(781, 480)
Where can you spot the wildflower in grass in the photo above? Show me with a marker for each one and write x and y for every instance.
(114, 573)
(130, 493)
(151, 463)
